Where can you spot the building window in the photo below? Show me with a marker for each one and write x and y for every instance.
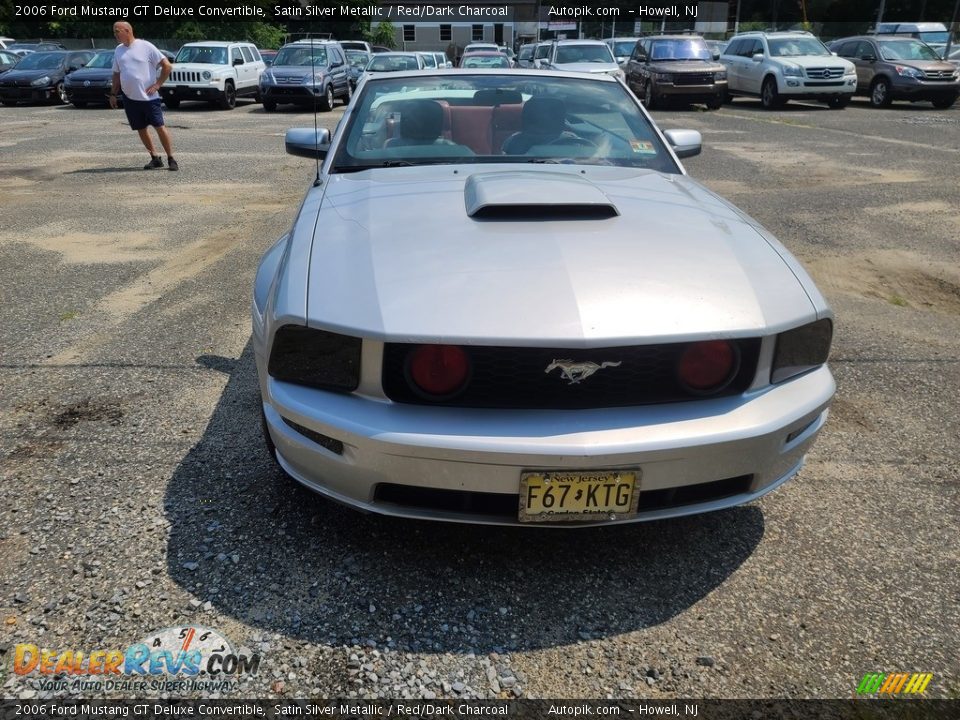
(409, 33)
(446, 33)
(477, 32)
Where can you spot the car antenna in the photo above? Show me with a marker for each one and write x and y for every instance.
(316, 137)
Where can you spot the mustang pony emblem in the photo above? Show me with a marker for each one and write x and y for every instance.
(577, 371)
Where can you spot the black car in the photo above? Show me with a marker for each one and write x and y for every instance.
(39, 77)
(7, 60)
(91, 83)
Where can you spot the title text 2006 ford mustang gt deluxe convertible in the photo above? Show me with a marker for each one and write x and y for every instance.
(504, 301)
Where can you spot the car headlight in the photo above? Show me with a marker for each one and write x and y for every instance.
(663, 77)
(909, 72)
(315, 79)
(722, 75)
(267, 77)
(45, 80)
(315, 358)
(206, 75)
(792, 71)
(801, 349)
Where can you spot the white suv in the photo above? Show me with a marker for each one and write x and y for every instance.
(214, 71)
(779, 66)
(589, 56)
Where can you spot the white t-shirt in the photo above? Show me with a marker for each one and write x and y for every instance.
(137, 66)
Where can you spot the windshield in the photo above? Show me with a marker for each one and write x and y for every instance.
(357, 58)
(935, 37)
(304, 55)
(42, 61)
(485, 61)
(583, 54)
(526, 52)
(392, 63)
(795, 47)
(622, 49)
(204, 55)
(500, 118)
(7, 58)
(692, 49)
(101, 60)
(907, 50)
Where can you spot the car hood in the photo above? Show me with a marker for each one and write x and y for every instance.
(926, 65)
(282, 71)
(93, 74)
(682, 66)
(18, 77)
(588, 67)
(396, 256)
(815, 61)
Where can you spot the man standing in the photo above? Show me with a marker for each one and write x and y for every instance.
(135, 65)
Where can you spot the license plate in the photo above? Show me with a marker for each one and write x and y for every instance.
(571, 496)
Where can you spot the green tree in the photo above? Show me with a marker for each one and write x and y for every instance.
(383, 34)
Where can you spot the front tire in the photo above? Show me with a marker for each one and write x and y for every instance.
(269, 106)
(326, 102)
(229, 99)
(944, 102)
(348, 96)
(714, 104)
(769, 95)
(880, 93)
(61, 93)
(649, 99)
(79, 103)
(838, 103)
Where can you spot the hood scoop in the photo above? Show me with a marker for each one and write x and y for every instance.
(535, 196)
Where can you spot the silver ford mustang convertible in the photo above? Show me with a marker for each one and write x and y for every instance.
(504, 301)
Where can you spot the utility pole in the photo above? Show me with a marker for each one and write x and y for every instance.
(879, 16)
(953, 23)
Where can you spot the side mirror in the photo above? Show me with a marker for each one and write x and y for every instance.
(758, 57)
(307, 142)
(716, 56)
(685, 143)
(238, 61)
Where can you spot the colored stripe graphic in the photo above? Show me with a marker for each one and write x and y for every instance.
(870, 684)
(894, 683)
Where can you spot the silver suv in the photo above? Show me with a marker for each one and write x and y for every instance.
(780, 66)
(307, 72)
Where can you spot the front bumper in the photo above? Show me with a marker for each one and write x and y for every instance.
(191, 92)
(29, 94)
(291, 93)
(470, 460)
(802, 87)
(691, 93)
(88, 94)
(905, 88)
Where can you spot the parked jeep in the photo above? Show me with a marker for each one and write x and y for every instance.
(213, 71)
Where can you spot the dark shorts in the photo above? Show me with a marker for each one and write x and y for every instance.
(141, 113)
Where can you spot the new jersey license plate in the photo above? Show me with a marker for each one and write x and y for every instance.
(594, 495)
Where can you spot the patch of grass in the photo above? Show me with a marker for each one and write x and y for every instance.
(898, 301)
(70, 315)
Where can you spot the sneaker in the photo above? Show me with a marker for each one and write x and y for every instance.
(172, 164)
(155, 162)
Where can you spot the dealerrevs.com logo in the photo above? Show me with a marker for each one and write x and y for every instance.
(190, 658)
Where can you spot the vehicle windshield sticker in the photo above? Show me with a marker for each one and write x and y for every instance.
(643, 147)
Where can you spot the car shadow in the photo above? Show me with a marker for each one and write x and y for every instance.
(271, 554)
(103, 171)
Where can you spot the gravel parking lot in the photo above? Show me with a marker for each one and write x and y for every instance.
(138, 494)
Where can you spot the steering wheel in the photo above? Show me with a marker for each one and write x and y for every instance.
(573, 140)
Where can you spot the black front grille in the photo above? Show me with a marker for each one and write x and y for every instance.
(512, 377)
(693, 79)
(507, 505)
